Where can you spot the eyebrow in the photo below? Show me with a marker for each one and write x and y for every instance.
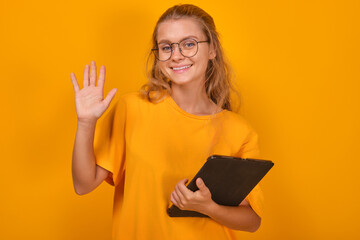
(167, 41)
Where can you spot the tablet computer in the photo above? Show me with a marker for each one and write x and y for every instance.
(229, 179)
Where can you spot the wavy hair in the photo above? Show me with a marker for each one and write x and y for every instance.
(218, 76)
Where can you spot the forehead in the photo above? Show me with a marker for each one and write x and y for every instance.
(176, 30)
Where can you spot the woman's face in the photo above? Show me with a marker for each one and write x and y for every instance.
(174, 31)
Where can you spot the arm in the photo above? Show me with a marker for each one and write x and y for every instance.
(241, 217)
(90, 105)
(86, 174)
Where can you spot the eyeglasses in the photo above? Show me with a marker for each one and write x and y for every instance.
(187, 47)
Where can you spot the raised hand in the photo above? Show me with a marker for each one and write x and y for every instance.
(89, 101)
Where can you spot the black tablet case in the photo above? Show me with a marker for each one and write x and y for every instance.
(229, 180)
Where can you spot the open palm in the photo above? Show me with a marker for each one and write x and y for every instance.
(89, 101)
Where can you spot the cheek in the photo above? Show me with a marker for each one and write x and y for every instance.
(163, 68)
(203, 58)
(203, 63)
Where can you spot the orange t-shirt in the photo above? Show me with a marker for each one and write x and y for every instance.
(148, 147)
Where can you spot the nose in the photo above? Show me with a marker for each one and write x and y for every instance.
(176, 54)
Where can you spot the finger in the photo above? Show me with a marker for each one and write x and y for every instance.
(86, 76)
(101, 80)
(183, 189)
(109, 97)
(181, 196)
(74, 82)
(92, 73)
(183, 181)
(177, 200)
(172, 199)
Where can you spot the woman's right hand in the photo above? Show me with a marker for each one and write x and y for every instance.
(89, 101)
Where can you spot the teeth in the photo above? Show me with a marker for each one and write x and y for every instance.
(182, 67)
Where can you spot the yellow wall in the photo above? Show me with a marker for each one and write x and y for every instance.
(297, 64)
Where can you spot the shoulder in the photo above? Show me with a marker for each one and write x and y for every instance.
(134, 105)
(130, 99)
(237, 121)
(243, 135)
(135, 97)
(237, 128)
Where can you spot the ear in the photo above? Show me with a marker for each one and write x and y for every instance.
(212, 52)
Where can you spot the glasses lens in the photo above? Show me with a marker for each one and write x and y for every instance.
(188, 47)
(163, 52)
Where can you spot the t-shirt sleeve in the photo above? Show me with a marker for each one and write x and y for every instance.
(250, 149)
(109, 142)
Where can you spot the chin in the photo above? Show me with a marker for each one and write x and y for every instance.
(183, 79)
(181, 82)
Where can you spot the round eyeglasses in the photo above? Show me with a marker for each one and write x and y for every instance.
(187, 47)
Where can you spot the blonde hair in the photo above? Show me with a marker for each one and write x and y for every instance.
(218, 76)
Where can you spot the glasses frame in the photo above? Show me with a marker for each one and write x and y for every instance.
(180, 50)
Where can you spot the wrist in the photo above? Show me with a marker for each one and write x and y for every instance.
(211, 208)
(86, 124)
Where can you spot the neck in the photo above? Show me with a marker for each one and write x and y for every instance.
(193, 99)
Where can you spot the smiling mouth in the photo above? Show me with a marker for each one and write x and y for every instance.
(181, 68)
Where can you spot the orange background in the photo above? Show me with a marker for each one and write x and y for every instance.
(297, 65)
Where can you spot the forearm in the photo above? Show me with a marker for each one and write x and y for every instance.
(241, 217)
(83, 159)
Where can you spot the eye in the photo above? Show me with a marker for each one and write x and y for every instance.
(165, 48)
(188, 44)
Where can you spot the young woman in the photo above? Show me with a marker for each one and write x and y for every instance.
(150, 143)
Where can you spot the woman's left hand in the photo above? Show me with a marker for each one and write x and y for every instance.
(185, 199)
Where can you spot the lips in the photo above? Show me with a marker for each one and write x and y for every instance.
(178, 68)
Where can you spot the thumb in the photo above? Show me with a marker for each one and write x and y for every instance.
(109, 97)
(200, 184)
